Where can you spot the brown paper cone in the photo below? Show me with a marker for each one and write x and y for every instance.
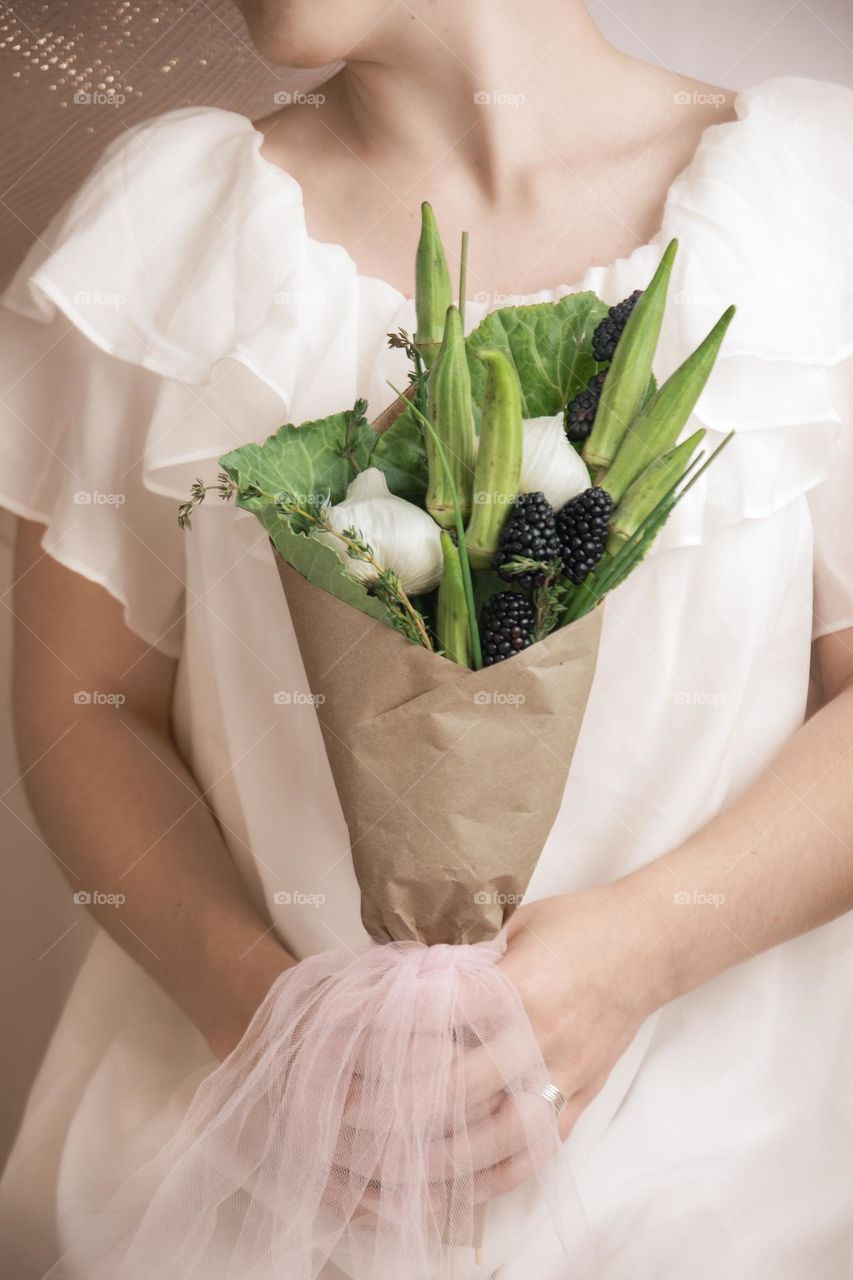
(449, 779)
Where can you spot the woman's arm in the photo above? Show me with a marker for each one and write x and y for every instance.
(592, 966)
(117, 804)
(777, 862)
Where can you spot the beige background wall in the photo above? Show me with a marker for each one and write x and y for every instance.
(46, 152)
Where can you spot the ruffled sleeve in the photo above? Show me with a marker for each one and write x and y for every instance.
(764, 220)
(816, 134)
(173, 310)
(73, 427)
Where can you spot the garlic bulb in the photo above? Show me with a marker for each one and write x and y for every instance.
(401, 536)
(549, 464)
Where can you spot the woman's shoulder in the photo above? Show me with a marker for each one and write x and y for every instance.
(174, 247)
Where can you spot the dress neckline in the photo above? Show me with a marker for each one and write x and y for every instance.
(711, 134)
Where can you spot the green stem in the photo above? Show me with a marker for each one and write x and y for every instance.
(468, 582)
(583, 601)
(463, 277)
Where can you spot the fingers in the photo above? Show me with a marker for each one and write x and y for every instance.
(442, 1077)
(519, 1124)
(512, 1173)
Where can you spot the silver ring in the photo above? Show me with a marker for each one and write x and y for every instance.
(552, 1094)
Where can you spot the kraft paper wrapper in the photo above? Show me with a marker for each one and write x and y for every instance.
(449, 779)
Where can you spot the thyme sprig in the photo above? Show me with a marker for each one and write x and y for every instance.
(311, 514)
(403, 341)
(225, 487)
(307, 513)
(550, 595)
(352, 418)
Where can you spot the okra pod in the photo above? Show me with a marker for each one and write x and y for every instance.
(630, 368)
(649, 488)
(451, 622)
(433, 291)
(657, 427)
(452, 414)
(498, 466)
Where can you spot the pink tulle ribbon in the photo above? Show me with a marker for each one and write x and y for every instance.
(366, 1128)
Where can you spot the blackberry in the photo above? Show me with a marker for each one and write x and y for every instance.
(609, 330)
(529, 532)
(580, 412)
(507, 621)
(582, 530)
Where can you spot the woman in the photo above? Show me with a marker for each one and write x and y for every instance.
(202, 288)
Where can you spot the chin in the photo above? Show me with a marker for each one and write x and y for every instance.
(307, 33)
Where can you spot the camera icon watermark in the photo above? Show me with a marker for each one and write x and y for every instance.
(297, 698)
(94, 498)
(99, 98)
(493, 898)
(94, 697)
(486, 498)
(498, 300)
(699, 98)
(287, 98)
(296, 898)
(698, 698)
(292, 298)
(498, 698)
(498, 98)
(92, 298)
(695, 898)
(94, 898)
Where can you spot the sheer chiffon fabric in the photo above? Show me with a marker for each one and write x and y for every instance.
(368, 1125)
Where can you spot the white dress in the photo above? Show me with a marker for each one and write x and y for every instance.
(181, 308)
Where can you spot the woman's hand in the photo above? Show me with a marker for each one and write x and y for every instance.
(589, 972)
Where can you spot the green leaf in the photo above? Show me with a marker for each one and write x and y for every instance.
(400, 453)
(315, 561)
(550, 344)
(317, 458)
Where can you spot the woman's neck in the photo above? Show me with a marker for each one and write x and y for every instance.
(498, 88)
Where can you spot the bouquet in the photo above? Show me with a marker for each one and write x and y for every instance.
(387, 1113)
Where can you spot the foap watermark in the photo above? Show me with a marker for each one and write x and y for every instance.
(493, 898)
(288, 98)
(485, 498)
(95, 698)
(105, 97)
(92, 298)
(497, 698)
(94, 498)
(298, 898)
(696, 898)
(292, 298)
(498, 98)
(495, 300)
(298, 698)
(694, 298)
(699, 98)
(304, 499)
(95, 898)
(698, 698)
